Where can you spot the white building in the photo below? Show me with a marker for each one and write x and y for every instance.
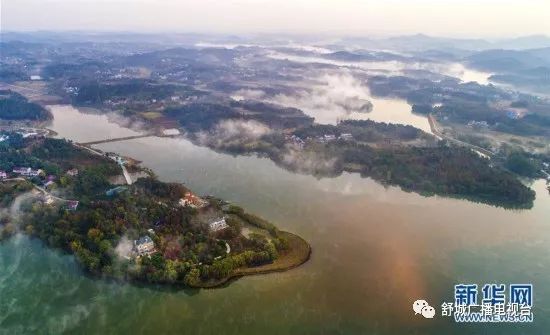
(27, 134)
(218, 225)
(346, 136)
(144, 246)
(170, 132)
(27, 171)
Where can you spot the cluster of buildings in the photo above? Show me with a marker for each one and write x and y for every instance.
(145, 246)
(25, 133)
(299, 142)
(329, 138)
(192, 201)
(295, 140)
(48, 182)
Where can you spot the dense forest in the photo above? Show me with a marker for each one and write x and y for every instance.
(14, 106)
(451, 171)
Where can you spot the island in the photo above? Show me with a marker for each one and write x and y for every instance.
(148, 231)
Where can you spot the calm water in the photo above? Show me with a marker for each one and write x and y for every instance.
(375, 251)
(321, 102)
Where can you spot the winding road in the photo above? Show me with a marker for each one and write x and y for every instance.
(435, 130)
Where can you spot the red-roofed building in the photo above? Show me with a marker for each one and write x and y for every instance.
(193, 201)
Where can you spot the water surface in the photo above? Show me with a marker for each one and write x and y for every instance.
(375, 251)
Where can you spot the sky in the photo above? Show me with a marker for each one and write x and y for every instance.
(457, 18)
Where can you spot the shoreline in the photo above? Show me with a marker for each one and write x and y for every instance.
(303, 251)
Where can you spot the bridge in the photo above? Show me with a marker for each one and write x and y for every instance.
(126, 138)
(107, 140)
(88, 146)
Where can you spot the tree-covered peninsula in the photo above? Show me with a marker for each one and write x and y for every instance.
(148, 231)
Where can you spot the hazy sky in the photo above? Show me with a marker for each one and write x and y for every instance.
(497, 18)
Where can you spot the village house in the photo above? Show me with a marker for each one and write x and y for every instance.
(27, 171)
(3, 175)
(192, 201)
(218, 224)
(144, 246)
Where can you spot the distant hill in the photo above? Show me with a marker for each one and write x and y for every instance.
(422, 42)
(510, 60)
(521, 68)
(524, 42)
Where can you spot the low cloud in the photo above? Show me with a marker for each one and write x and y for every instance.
(308, 162)
(332, 96)
(228, 131)
(124, 247)
(126, 122)
(21, 200)
(246, 94)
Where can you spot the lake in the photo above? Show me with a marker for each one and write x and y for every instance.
(375, 251)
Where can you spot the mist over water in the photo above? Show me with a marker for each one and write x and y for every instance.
(375, 251)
